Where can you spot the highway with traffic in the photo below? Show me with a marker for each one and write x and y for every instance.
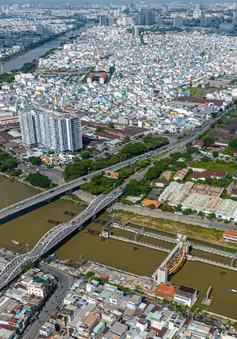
(47, 196)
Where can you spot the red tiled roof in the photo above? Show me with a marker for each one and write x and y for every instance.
(207, 174)
(231, 233)
(198, 143)
(200, 100)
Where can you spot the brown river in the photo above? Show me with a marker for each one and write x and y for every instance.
(28, 229)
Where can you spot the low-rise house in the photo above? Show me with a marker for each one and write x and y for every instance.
(185, 295)
(47, 329)
(148, 202)
(38, 289)
(119, 329)
(161, 183)
(134, 301)
(198, 144)
(230, 235)
(181, 174)
(208, 175)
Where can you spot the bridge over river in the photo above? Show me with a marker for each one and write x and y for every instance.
(55, 236)
(47, 196)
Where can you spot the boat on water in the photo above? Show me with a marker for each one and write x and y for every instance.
(232, 290)
(52, 256)
(16, 242)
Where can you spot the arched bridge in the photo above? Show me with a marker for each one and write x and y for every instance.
(56, 235)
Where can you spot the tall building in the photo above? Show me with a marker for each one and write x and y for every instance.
(178, 21)
(197, 12)
(136, 31)
(160, 22)
(103, 20)
(140, 19)
(57, 131)
(28, 129)
(146, 17)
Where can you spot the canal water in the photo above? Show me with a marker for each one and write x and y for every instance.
(19, 61)
(30, 227)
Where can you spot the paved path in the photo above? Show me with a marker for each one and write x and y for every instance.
(193, 220)
(64, 283)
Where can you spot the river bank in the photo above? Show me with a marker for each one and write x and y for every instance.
(41, 43)
(36, 52)
(29, 228)
(210, 235)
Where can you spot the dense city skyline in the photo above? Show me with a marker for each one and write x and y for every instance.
(118, 180)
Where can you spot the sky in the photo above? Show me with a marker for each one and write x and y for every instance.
(74, 2)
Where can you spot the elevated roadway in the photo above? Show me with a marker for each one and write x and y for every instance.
(50, 195)
(55, 236)
(47, 196)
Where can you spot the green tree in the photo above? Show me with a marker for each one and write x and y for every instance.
(110, 125)
(39, 180)
(214, 115)
(215, 154)
(85, 154)
(208, 141)
(124, 173)
(127, 139)
(100, 129)
(28, 266)
(201, 214)
(8, 164)
(35, 160)
(16, 172)
(188, 211)
(89, 274)
(233, 144)
(211, 216)
(132, 188)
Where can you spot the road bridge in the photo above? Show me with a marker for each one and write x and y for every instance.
(56, 236)
(47, 196)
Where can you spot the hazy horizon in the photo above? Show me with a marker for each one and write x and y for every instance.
(75, 2)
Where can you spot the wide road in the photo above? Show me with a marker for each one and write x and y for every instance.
(64, 283)
(47, 196)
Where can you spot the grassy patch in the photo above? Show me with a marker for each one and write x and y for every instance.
(198, 92)
(229, 167)
(208, 235)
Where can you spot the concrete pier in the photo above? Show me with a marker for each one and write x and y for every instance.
(193, 258)
(154, 247)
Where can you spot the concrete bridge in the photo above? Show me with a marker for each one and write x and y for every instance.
(173, 261)
(48, 196)
(55, 236)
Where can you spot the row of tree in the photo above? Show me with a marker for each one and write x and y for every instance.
(143, 187)
(100, 184)
(7, 163)
(39, 180)
(82, 167)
